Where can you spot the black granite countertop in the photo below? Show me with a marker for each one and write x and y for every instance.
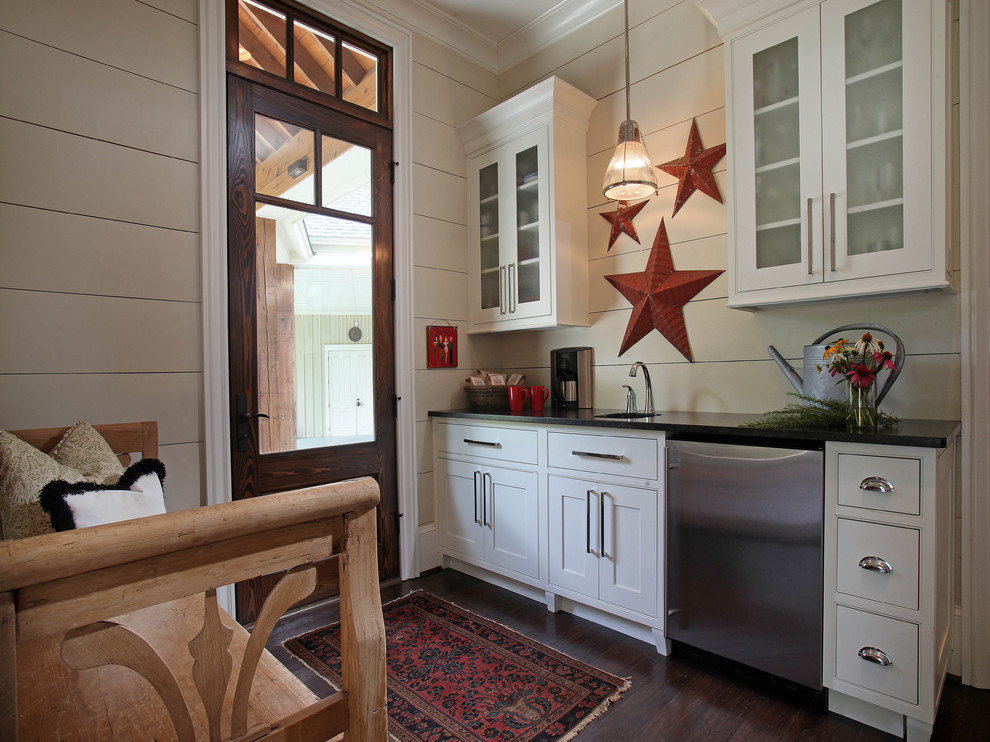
(923, 433)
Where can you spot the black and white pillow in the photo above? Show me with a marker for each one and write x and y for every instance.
(139, 492)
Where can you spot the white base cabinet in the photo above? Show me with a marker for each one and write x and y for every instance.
(604, 541)
(491, 515)
(577, 515)
(888, 583)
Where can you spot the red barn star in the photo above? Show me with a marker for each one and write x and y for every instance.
(622, 220)
(658, 296)
(694, 170)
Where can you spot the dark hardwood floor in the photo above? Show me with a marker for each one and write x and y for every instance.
(674, 698)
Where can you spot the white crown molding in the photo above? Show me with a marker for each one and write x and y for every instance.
(559, 21)
(496, 57)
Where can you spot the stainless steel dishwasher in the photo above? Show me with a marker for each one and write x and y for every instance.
(744, 555)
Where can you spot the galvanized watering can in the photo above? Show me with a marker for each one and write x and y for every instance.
(819, 384)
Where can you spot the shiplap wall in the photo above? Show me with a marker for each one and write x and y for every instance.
(447, 91)
(312, 332)
(99, 202)
(678, 75)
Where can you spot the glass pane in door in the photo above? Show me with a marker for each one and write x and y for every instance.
(346, 176)
(777, 146)
(874, 128)
(314, 330)
(489, 246)
(284, 156)
(528, 225)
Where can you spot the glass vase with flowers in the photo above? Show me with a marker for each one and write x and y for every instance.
(858, 364)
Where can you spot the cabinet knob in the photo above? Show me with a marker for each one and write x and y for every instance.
(876, 656)
(876, 564)
(876, 484)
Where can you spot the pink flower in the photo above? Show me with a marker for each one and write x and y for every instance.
(885, 359)
(862, 376)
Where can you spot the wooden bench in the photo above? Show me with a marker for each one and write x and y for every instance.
(114, 632)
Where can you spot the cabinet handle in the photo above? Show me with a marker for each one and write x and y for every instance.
(811, 246)
(831, 237)
(477, 474)
(602, 523)
(876, 484)
(592, 454)
(484, 501)
(876, 656)
(513, 304)
(501, 289)
(876, 564)
(587, 522)
(491, 444)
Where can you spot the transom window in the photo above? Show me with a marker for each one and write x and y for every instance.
(325, 59)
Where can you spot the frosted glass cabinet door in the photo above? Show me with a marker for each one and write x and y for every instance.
(777, 155)
(881, 219)
(509, 194)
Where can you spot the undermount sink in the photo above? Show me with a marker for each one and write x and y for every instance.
(629, 415)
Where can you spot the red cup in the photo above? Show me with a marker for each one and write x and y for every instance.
(538, 396)
(517, 397)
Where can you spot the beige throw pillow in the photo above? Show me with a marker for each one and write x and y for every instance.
(86, 451)
(24, 470)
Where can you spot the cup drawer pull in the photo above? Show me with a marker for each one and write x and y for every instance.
(876, 484)
(876, 564)
(592, 454)
(492, 444)
(876, 656)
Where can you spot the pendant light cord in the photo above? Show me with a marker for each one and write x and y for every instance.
(625, 7)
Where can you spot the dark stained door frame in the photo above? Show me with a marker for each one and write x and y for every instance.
(254, 474)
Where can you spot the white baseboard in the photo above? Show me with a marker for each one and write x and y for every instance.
(427, 557)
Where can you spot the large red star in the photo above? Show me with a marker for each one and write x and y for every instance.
(694, 170)
(658, 296)
(622, 220)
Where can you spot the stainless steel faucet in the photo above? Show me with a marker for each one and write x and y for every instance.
(649, 386)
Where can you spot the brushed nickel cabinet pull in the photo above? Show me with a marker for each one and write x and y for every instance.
(876, 564)
(477, 474)
(811, 245)
(876, 484)
(587, 522)
(592, 454)
(831, 217)
(876, 656)
(490, 444)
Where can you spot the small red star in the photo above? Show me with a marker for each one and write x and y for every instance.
(622, 220)
(694, 170)
(658, 296)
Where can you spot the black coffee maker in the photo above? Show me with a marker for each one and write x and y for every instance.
(572, 378)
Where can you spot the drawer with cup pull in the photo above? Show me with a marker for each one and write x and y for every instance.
(620, 455)
(888, 483)
(520, 445)
(878, 653)
(878, 562)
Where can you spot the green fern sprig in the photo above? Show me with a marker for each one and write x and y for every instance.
(813, 413)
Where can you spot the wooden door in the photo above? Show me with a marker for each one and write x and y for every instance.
(298, 234)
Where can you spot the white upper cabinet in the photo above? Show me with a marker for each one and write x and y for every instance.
(527, 217)
(837, 159)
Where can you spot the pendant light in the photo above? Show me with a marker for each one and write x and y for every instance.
(630, 175)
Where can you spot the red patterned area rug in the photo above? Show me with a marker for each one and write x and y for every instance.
(453, 675)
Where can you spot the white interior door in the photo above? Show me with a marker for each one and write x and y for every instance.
(349, 390)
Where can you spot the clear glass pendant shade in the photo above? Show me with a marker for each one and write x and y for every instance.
(630, 175)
